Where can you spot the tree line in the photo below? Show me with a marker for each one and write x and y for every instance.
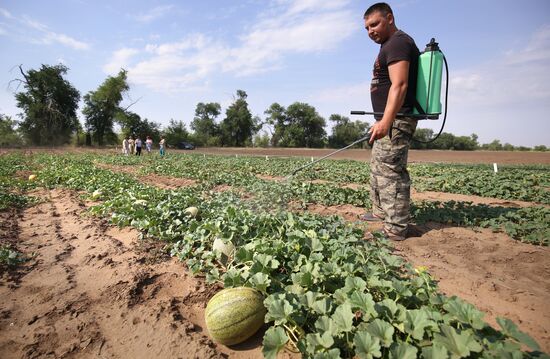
(49, 105)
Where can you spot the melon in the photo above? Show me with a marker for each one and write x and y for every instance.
(226, 249)
(234, 315)
(140, 202)
(192, 211)
(97, 193)
(32, 177)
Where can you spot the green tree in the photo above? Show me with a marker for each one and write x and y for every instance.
(493, 146)
(49, 105)
(131, 124)
(345, 132)
(238, 126)
(275, 122)
(300, 126)
(422, 135)
(261, 140)
(445, 141)
(8, 133)
(206, 130)
(175, 132)
(541, 148)
(102, 106)
(465, 143)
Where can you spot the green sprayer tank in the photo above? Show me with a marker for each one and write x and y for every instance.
(428, 86)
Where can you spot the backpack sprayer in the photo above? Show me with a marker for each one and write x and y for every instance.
(427, 104)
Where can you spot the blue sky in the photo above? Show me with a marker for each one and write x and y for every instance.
(180, 53)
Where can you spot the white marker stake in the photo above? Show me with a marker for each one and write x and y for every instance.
(311, 159)
(266, 158)
(495, 167)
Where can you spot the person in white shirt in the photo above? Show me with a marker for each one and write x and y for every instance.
(138, 146)
(149, 144)
(125, 146)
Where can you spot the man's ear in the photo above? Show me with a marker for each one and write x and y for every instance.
(390, 19)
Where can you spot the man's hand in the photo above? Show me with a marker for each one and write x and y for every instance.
(379, 130)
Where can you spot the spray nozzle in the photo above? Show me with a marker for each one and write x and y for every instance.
(432, 46)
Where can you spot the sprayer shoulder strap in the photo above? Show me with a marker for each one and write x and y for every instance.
(418, 107)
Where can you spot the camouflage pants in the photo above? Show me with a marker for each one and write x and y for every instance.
(390, 181)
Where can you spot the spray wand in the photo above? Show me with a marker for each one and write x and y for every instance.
(326, 156)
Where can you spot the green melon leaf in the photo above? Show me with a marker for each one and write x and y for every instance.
(317, 340)
(402, 351)
(382, 330)
(343, 318)
(435, 352)
(331, 354)
(510, 329)
(363, 302)
(460, 344)
(322, 306)
(416, 323)
(260, 281)
(324, 324)
(275, 339)
(366, 347)
(278, 311)
(465, 312)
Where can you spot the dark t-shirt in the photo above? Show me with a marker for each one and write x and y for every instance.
(399, 46)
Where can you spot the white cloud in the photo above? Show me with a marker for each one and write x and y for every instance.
(154, 13)
(38, 33)
(355, 93)
(52, 37)
(537, 50)
(299, 6)
(5, 13)
(120, 59)
(518, 76)
(272, 39)
(298, 26)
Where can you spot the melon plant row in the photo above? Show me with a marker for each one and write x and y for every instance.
(328, 293)
(531, 225)
(525, 183)
(14, 175)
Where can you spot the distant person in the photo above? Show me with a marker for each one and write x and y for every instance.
(162, 144)
(138, 146)
(125, 146)
(149, 144)
(132, 145)
(392, 90)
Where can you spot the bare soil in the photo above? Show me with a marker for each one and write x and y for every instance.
(152, 179)
(93, 290)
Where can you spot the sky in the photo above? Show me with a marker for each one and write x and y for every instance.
(180, 53)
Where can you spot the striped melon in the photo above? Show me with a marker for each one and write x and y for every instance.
(234, 315)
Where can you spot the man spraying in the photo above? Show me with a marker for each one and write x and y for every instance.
(392, 90)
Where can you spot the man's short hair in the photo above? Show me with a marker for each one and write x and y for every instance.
(382, 7)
